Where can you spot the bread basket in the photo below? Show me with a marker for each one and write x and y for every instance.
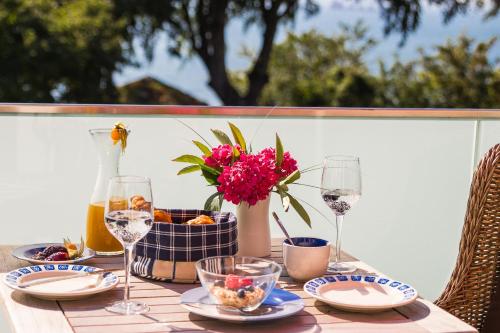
(170, 250)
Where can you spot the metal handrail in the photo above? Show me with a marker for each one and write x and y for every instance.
(243, 111)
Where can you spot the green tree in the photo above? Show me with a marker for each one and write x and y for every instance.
(315, 70)
(64, 50)
(403, 16)
(458, 74)
(332, 72)
(197, 28)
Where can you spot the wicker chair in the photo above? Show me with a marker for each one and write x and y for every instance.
(473, 292)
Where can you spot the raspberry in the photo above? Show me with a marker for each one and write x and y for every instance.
(243, 282)
(232, 281)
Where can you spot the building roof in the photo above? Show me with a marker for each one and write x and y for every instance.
(149, 90)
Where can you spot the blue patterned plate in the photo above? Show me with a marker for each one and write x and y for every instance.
(361, 293)
(26, 252)
(279, 304)
(69, 289)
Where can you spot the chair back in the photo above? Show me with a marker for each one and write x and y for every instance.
(473, 292)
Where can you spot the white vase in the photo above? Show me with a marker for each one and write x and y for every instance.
(254, 236)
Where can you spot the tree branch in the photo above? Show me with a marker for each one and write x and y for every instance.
(258, 76)
(211, 18)
(187, 19)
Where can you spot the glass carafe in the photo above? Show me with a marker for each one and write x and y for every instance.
(98, 237)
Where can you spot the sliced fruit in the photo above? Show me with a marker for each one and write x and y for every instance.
(58, 256)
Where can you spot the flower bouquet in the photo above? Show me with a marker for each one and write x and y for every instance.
(241, 176)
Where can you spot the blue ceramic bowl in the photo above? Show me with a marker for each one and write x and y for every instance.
(307, 242)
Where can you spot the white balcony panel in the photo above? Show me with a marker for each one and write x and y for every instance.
(416, 175)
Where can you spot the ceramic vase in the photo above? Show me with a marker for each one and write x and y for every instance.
(254, 235)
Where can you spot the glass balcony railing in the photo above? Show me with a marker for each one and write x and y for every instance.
(416, 168)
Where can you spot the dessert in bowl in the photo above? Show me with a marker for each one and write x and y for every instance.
(240, 282)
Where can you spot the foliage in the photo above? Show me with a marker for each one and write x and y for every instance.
(68, 50)
(241, 176)
(333, 72)
(403, 16)
(458, 74)
(197, 27)
(325, 71)
(64, 50)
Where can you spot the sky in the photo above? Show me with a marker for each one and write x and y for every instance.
(191, 76)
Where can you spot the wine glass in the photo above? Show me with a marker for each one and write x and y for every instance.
(340, 189)
(128, 217)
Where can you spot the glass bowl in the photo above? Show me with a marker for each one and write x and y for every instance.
(239, 282)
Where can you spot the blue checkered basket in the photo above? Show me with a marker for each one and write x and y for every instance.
(169, 251)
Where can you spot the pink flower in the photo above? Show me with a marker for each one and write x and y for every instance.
(288, 165)
(250, 179)
(221, 156)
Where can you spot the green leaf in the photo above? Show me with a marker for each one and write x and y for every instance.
(210, 174)
(209, 177)
(222, 137)
(189, 159)
(214, 202)
(291, 178)
(188, 169)
(210, 170)
(279, 151)
(238, 137)
(300, 210)
(285, 200)
(204, 149)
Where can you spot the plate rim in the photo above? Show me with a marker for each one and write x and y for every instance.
(238, 318)
(360, 307)
(55, 294)
(26, 247)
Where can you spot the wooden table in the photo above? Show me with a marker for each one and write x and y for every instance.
(29, 314)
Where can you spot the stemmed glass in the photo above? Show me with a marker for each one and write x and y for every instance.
(340, 189)
(129, 217)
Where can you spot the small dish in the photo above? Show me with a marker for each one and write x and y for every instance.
(279, 304)
(26, 252)
(238, 281)
(361, 293)
(70, 289)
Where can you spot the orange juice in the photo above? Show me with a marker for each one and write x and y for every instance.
(98, 237)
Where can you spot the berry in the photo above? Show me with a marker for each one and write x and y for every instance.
(58, 256)
(232, 281)
(219, 283)
(241, 293)
(250, 288)
(237, 282)
(245, 282)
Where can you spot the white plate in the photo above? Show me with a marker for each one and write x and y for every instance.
(26, 252)
(197, 301)
(361, 293)
(60, 290)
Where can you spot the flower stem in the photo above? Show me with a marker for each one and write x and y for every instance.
(195, 132)
(313, 186)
